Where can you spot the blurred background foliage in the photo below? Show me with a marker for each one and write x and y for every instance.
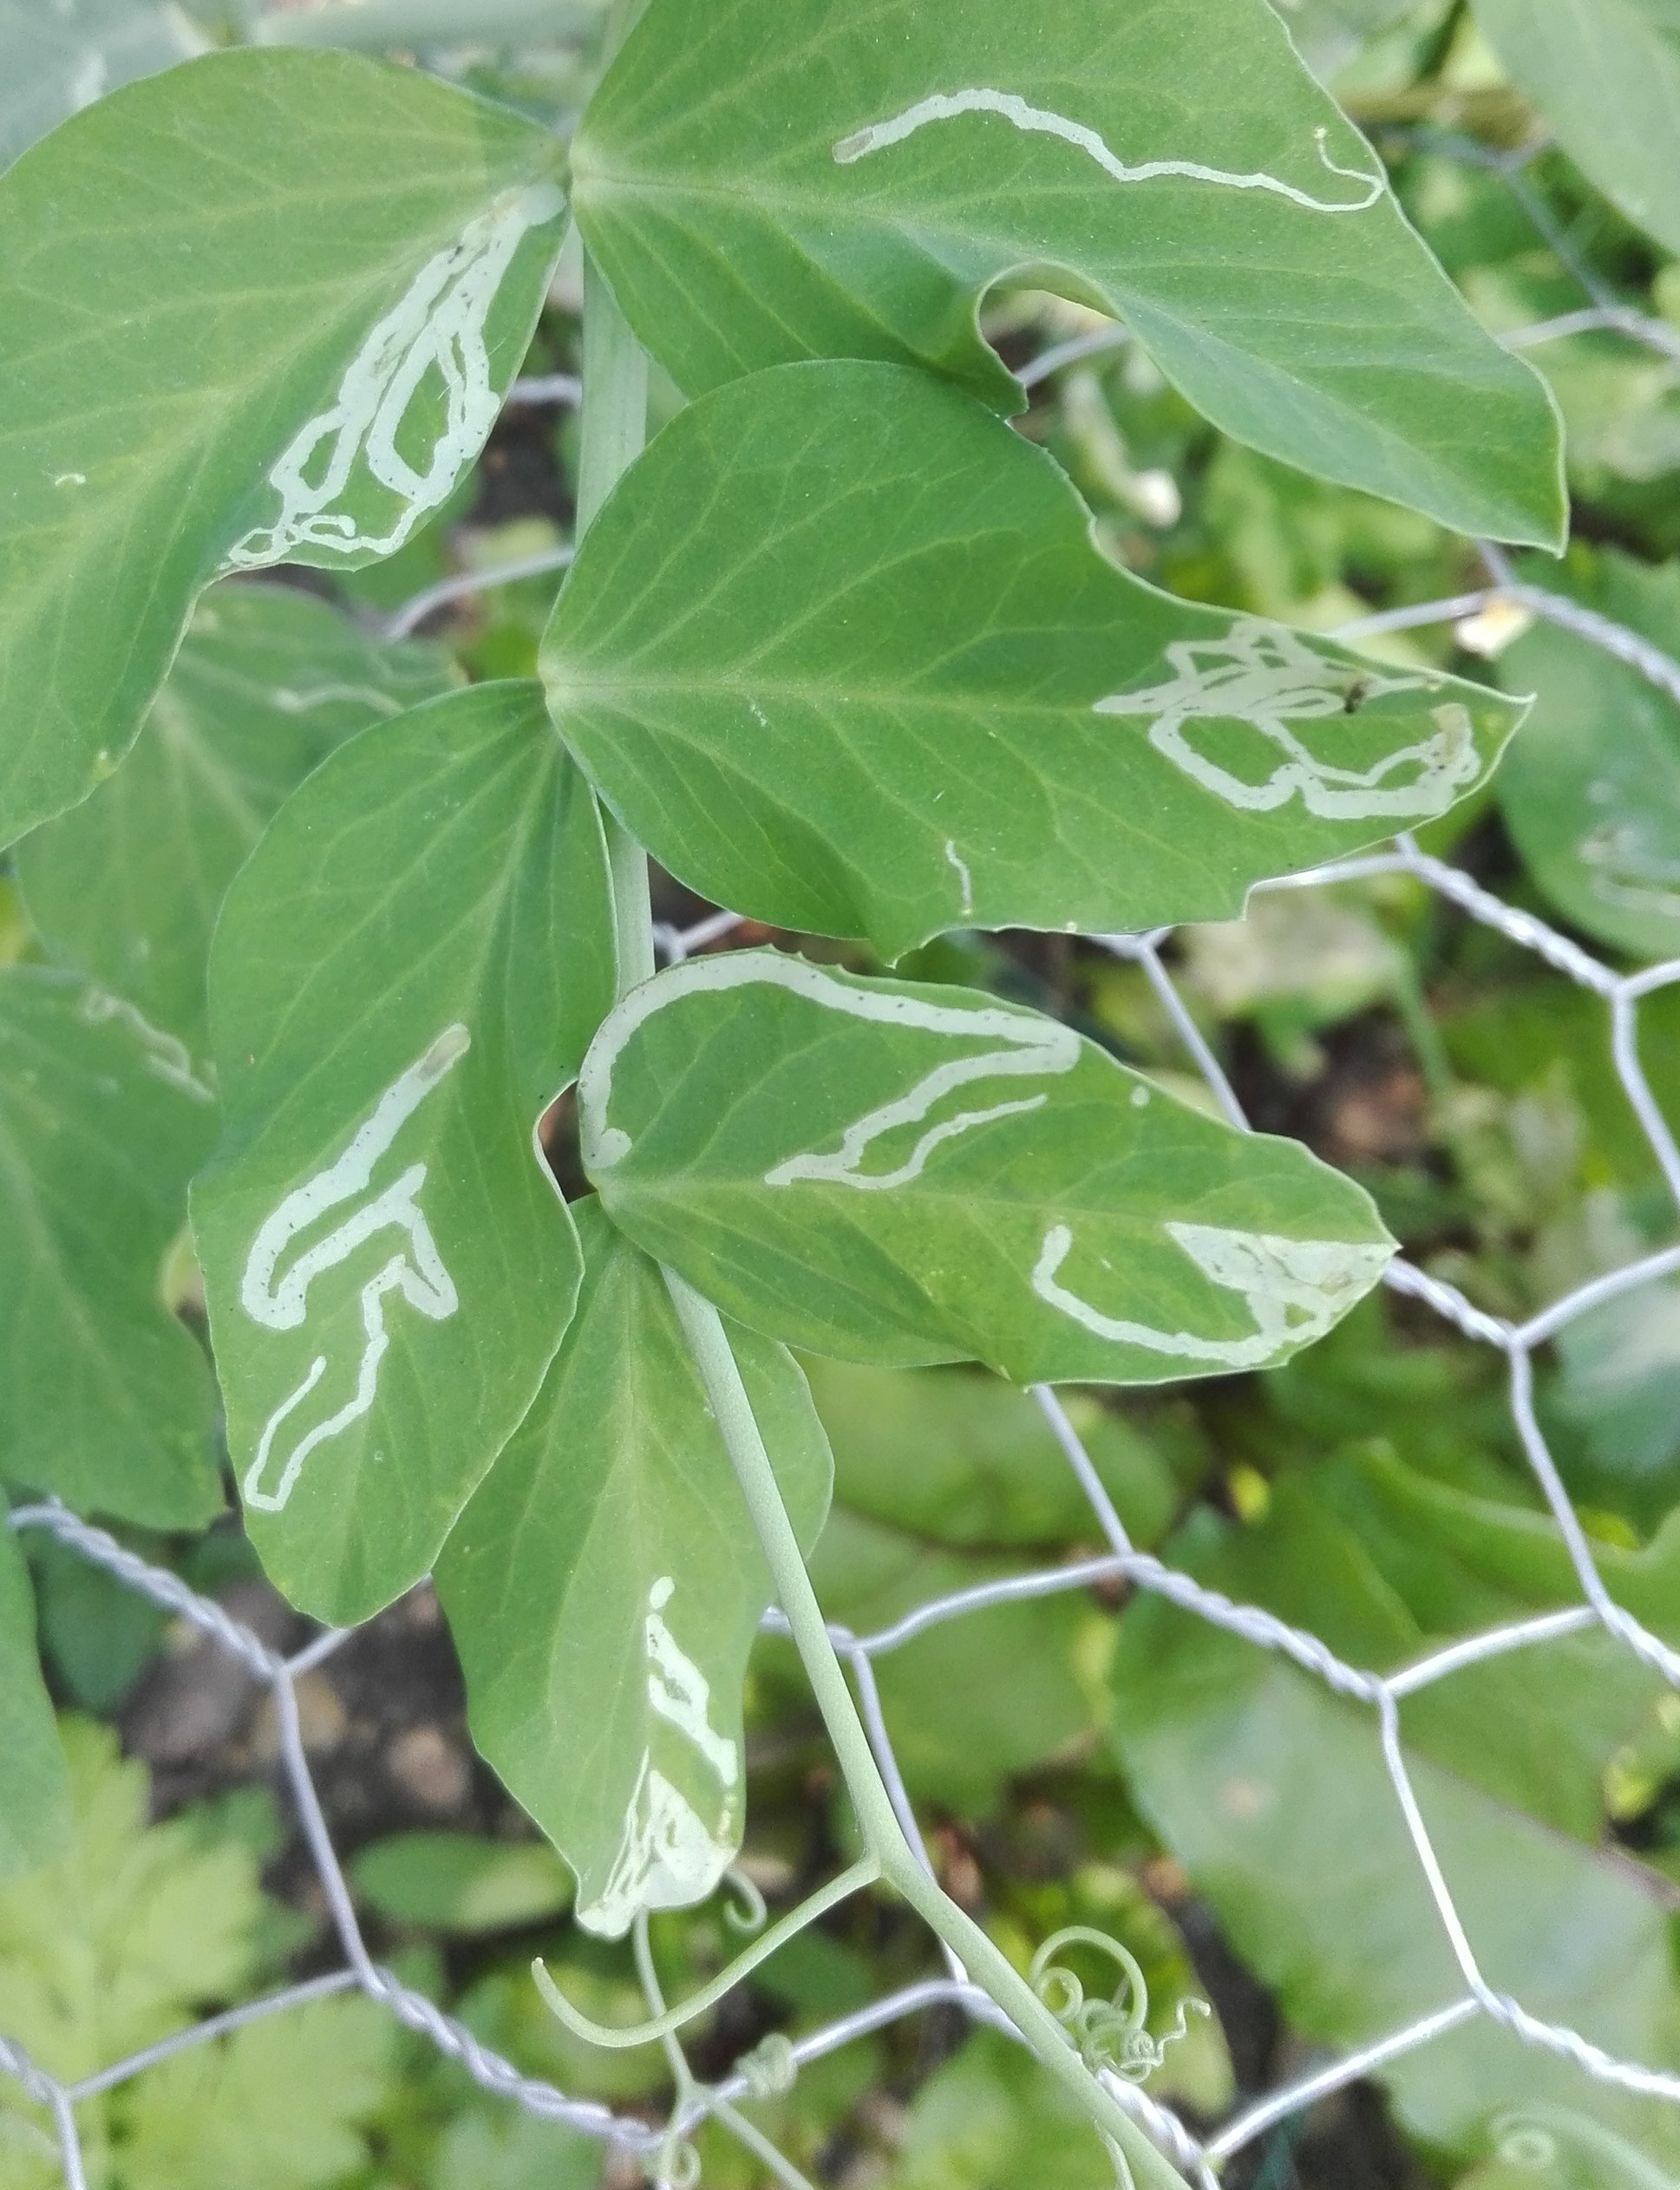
(1083, 1758)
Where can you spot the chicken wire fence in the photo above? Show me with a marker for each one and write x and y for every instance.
(770, 2067)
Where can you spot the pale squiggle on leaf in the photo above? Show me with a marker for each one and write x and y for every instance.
(1266, 676)
(416, 1271)
(669, 1857)
(1294, 1290)
(959, 867)
(1022, 1042)
(942, 106)
(435, 332)
(1627, 870)
(1032, 1045)
(369, 695)
(165, 1055)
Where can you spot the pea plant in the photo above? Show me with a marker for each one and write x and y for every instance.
(345, 946)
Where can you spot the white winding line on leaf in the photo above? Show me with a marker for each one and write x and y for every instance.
(416, 1271)
(1264, 675)
(941, 106)
(1627, 869)
(290, 701)
(669, 1858)
(437, 327)
(959, 867)
(1031, 1044)
(165, 1056)
(1294, 1290)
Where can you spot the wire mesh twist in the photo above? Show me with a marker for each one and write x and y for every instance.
(1199, 2157)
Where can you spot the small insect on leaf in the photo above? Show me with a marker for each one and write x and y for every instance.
(1031, 737)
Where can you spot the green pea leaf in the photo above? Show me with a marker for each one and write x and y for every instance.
(967, 1460)
(900, 1174)
(987, 2117)
(97, 1633)
(782, 179)
(267, 681)
(456, 1882)
(404, 976)
(605, 1586)
(1327, 34)
(62, 55)
(841, 651)
(1619, 1375)
(499, 2147)
(942, 1477)
(1558, 2147)
(1592, 788)
(424, 22)
(1017, 1668)
(258, 308)
(105, 1398)
(1605, 76)
(1273, 1792)
(35, 1797)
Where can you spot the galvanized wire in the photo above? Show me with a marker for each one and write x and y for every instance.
(1477, 1997)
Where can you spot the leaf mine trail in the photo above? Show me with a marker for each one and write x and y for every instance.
(280, 1302)
(942, 106)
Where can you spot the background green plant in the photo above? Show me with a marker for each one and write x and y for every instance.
(1498, 1151)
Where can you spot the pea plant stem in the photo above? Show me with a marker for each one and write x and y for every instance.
(883, 1835)
(614, 426)
(615, 415)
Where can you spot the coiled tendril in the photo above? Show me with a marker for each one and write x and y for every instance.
(1110, 2033)
(746, 1910)
(677, 2164)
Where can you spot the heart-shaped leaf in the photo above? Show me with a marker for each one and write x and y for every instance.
(267, 681)
(604, 1584)
(404, 976)
(772, 179)
(894, 1173)
(355, 256)
(105, 1398)
(841, 651)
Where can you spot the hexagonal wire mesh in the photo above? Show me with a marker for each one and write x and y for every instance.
(1200, 2159)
